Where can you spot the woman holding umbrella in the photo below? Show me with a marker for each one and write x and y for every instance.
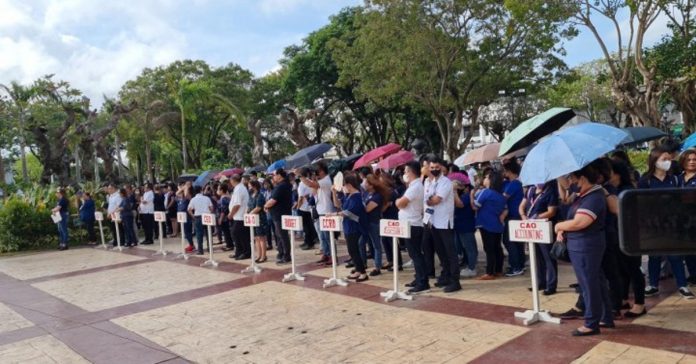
(586, 242)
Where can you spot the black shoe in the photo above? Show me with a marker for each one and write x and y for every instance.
(362, 279)
(691, 280)
(226, 248)
(269, 247)
(607, 326)
(304, 246)
(375, 272)
(452, 288)
(626, 306)
(577, 332)
(540, 288)
(418, 290)
(574, 285)
(391, 269)
(572, 314)
(243, 257)
(440, 284)
(350, 265)
(549, 292)
(410, 284)
(149, 242)
(631, 315)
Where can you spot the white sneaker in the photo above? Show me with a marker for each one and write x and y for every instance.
(686, 293)
(467, 273)
(408, 264)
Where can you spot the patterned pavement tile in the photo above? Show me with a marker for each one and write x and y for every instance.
(33, 266)
(10, 320)
(122, 286)
(609, 352)
(282, 323)
(43, 349)
(674, 313)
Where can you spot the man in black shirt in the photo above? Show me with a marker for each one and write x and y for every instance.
(159, 206)
(280, 204)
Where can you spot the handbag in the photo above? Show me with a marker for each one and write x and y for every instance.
(559, 251)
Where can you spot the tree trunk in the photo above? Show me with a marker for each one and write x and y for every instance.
(2, 168)
(23, 147)
(148, 161)
(184, 153)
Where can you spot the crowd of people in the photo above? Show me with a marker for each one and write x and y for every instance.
(445, 207)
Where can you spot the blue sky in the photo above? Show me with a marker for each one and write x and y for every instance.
(98, 45)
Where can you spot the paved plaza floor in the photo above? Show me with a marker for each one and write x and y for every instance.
(104, 306)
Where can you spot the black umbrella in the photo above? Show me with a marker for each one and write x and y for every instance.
(307, 155)
(256, 169)
(343, 164)
(535, 128)
(641, 134)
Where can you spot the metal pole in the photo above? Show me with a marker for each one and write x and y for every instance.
(533, 272)
(101, 232)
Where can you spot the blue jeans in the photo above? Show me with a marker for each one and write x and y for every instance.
(373, 238)
(63, 229)
(324, 239)
(129, 231)
(515, 251)
(466, 243)
(593, 285)
(200, 231)
(188, 231)
(677, 263)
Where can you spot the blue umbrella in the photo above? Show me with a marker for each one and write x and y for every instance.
(307, 155)
(690, 142)
(569, 150)
(276, 165)
(204, 178)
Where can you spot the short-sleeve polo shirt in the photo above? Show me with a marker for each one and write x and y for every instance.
(594, 205)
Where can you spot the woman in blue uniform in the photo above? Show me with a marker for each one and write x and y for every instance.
(586, 241)
(687, 179)
(659, 176)
(491, 210)
(62, 209)
(354, 221)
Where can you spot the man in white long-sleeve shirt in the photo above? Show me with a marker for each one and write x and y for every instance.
(114, 201)
(147, 213)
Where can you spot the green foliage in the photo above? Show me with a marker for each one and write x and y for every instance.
(34, 168)
(25, 227)
(639, 159)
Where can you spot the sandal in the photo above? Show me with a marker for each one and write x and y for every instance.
(353, 276)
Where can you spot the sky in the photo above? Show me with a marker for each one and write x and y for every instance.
(98, 45)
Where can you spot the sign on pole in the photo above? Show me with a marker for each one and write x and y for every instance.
(161, 218)
(182, 218)
(332, 224)
(395, 229)
(251, 221)
(209, 221)
(533, 232)
(99, 217)
(292, 223)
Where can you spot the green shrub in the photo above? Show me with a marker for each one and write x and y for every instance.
(25, 227)
(639, 159)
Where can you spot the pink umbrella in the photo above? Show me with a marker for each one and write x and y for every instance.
(229, 173)
(483, 154)
(397, 159)
(375, 154)
(459, 177)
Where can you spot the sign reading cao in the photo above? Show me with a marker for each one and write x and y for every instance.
(395, 228)
(532, 231)
(251, 220)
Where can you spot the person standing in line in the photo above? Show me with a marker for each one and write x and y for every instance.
(465, 227)
(184, 195)
(158, 203)
(63, 210)
(238, 205)
(659, 176)
(171, 210)
(514, 193)
(391, 212)
(126, 211)
(411, 209)
(377, 195)
(687, 179)
(147, 214)
(223, 210)
(114, 201)
(267, 191)
(304, 210)
(324, 205)
(491, 210)
(87, 211)
(541, 202)
(198, 206)
(255, 206)
(354, 220)
(438, 218)
(280, 204)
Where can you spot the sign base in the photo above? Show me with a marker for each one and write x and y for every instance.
(161, 252)
(293, 277)
(119, 248)
(209, 263)
(182, 255)
(252, 269)
(392, 295)
(530, 317)
(331, 282)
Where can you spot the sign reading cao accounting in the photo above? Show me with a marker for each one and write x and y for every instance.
(251, 220)
(293, 223)
(531, 231)
(330, 223)
(395, 228)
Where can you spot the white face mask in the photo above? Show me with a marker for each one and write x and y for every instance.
(664, 165)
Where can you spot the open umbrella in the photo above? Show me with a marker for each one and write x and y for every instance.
(204, 178)
(569, 150)
(375, 154)
(307, 155)
(641, 134)
(535, 128)
(482, 154)
(276, 165)
(256, 169)
(689, 142)
(186, 177)
(395, 160)
(460, 177)
(229, 173)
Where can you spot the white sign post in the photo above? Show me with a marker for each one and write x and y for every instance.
(209, 221)
(99, 217)
(252, 221)
(531, 232)
(292, 224)
(116, 217)
(395, 229)
(332, 224)
(182, 218)
(161, 218)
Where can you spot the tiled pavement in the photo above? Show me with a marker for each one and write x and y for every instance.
(91, 305)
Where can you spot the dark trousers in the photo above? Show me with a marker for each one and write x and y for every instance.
(129, 230)
(155, 227)
(121, 233)
(415, 251)
(442, 240)
(148, 221)
(310, 234)
(516, 257)
(226, 233)
(588, 270)
(547, 267)
(353, 241)
(89, 226)
(632, 276)
(282, 240)
(200, 232)
(188, 231)
(270, 232)
(494, 251)
(388, 244)
(242, 242)
(610, 267)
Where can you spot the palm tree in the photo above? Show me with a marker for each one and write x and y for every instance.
(20, 97)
